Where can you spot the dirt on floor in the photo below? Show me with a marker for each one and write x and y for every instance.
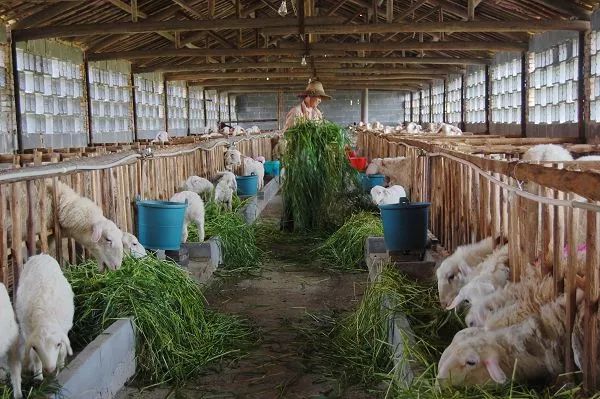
(279, 302)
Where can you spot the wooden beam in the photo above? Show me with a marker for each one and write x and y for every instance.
(389, 11)
(45, 14)
(435, 27)
(134, 11)
(412, 60)
(128, 8)
(208, 52)
(334, 9)
(187, 7)
(211, 9)
(291, 75)
(221, 39)
(396, 46)
(471, 9)
(451, 8)
(79, 30)
(567, 7)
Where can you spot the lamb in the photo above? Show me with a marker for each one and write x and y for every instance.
(398, 169)
(383, 196)
(455, 271)
(547, 153)
(161, 137)
(493, 274)
(132, 246)
(413, 128)
(44, 309)
(193, 213)
(8, 324)
(532, 348)
(229, 178)
(252, 167)
(197, 184)
(449, 130)
(82, 219)
(377, 125)
(232, 158)
(589, 158)
(224, 194)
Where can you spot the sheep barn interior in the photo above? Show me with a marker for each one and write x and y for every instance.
(299, 199)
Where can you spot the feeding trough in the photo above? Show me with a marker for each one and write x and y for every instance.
(272, 168)
(405, 226)
(247, 185)
(160, 223)
(370, 181)
(359, 163)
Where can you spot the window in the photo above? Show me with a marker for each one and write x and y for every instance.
(454, 100)
(212, 108)
(149, 100)
(196, 98)
(415, 107)
(506, 92)
(407, 115)
(552, 95)
(425, 106)
(51, 92)
(177, 108)
(595, 77)
(110, 101)
(437, 92)
(475, 105)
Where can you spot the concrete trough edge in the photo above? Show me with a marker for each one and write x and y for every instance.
(252, 210)
(103, 367)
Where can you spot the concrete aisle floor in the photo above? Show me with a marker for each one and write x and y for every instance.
(277, 302)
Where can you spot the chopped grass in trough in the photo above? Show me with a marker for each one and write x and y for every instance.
(345, 249)
(177, 336)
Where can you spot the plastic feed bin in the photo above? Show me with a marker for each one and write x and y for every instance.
(160, 223)
(247, 185)
(358, 163)
(405, 225)
(370, 181)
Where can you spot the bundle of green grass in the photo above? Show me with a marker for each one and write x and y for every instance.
(345, 248)
(241, 253)
(320, 187)
(177, 336)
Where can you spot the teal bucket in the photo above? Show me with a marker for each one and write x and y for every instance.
(272, 168)
(160, 224)
(247, 185)
(370, 181)
(405, 225)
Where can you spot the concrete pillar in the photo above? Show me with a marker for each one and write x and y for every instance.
(364, 106)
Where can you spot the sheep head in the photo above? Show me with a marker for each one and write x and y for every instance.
(377, 194)
(133, 246)
(47, 342)
(472, 290)
(107, 244)
(472, 359)
(232, 157)
(374, 166)
(451, 276)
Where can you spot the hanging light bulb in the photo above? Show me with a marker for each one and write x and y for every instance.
(282, 9)
(303, 62)
(267, 78)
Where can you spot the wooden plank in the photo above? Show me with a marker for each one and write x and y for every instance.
(4, 272)
(45, 14)
(31, 214)
(16, 217)
(570, 289)
(591, 295)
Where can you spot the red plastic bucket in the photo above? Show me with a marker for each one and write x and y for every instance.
(359, 163)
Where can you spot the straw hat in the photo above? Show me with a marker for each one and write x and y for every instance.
(315, 89)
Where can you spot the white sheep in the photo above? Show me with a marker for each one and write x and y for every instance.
(383, 196)
(397, 169)
(161, 137)
(229, 177)
(531, 349)
(260, 159)
(589, 158)
(194, 213)
(413, 128)
(81, 219)
(455, 271)
(132, 246)
(447, 129)
(547, 153)
(492, 274)
(254, 167)
(8, 324)
(197, 184)
(224, 194)
(377, 125)
(44, 308)
(232, 158)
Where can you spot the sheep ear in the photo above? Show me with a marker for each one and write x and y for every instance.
(464, 269)
(67, 344)
(96, 232)
(457, 301)
(495, 371)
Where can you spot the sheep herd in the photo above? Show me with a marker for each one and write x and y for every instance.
(35, 331)
(444, 129)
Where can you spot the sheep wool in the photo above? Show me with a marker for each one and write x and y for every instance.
(383, 196)
(8, 324)
(229, 178)
(197, 184)
(132, 246)
(254, 167)
(224, 194)
(45, 310)
(194, 213)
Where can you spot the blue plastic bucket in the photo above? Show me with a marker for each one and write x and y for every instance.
(247, 185)
(160, 224)
(405, 225)
(370, 181)
(272, 168)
